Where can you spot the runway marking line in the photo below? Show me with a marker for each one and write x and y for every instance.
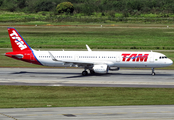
(166, 112)
(47, 114)
(8, 116)
(69, 115)
(33, 115)
(152, 112)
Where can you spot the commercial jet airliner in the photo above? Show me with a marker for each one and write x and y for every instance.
(94, 61)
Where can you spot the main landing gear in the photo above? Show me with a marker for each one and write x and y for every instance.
(92, 72)
(153, 73)
(84, 73)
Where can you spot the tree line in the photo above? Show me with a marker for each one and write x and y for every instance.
(88, 7)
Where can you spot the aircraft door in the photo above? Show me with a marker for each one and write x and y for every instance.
(76, 57)
(151, 58)
(117, 58)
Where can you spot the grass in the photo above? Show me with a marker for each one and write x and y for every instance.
(35, 96)
(81, 18)
(19, 16)
(135, 37)
(96, 38)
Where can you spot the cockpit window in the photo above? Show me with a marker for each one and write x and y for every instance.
(162, 57)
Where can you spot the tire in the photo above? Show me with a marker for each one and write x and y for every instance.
(153, 73)
(84, 73)
(92, 72)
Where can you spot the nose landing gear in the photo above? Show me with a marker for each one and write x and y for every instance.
(153, 73)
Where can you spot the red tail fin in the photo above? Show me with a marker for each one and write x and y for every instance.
(17, 42)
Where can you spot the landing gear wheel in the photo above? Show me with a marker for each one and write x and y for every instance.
(84, 73)
(153, 73)
(92, 72)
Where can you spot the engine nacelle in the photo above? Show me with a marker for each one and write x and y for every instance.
(114, 68)
(100, 68)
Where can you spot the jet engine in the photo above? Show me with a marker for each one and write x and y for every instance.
(100, 68)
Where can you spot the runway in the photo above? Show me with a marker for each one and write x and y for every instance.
(73, 77)
(150, 112)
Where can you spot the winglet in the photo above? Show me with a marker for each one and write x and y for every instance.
(52, 57)
(88, 48)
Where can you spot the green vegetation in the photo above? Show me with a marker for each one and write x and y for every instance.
(95, 36)
(35, 96)
(6, 17)
(100, 11)
(65, 7)
(123, 37)
(129, 7)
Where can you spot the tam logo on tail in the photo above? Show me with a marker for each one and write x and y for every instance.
(18, 40)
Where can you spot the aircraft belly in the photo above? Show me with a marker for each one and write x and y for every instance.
(51, 63)
(139, 64)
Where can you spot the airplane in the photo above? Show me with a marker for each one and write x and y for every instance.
(94, 61)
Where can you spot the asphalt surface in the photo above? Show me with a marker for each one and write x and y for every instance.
(155, 112)
(73, 77)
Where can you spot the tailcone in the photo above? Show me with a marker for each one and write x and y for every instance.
(14, 55)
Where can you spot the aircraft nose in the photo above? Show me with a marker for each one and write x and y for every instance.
(169, 62)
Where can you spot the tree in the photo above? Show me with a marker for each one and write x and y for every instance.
(88, 7)
(44, 6)
(1, 2)
(10, 5)
(65, 7)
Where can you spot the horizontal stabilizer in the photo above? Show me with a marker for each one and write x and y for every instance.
(15, 56)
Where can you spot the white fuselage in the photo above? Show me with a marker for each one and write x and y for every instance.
(94, 61)
(112, 59)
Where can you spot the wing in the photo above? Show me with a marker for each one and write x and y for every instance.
(80, 63)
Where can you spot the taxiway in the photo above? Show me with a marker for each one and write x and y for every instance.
(73, 77)
(150, 112)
